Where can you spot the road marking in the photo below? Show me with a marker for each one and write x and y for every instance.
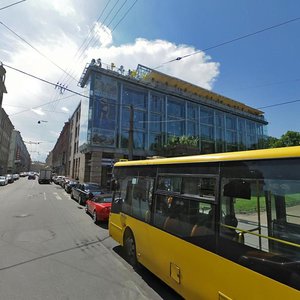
(45, 198)
(57, 197)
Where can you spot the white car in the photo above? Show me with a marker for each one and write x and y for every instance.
(3, 180)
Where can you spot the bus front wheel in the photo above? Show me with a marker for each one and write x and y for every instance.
(130, 250)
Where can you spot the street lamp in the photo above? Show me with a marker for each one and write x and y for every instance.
(42, 121)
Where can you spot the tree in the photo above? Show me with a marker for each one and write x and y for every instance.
(180, 145)
(290, 138)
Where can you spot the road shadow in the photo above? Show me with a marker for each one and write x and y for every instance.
(103, 225)
(162, 289)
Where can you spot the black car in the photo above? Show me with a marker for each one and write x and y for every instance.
(31, 176)
(70, 185)
(82, 191)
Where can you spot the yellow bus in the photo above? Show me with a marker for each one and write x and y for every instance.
(215, 226)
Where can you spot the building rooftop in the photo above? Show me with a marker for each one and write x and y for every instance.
(157, 79)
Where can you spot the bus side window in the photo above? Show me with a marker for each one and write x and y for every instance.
(161, 210)
(119, 195)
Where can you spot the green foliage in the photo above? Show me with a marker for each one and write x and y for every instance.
(250, 206)
(290, 138)
(182, 140)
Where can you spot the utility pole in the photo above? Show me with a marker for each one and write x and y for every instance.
(2, 85)
(130, 136)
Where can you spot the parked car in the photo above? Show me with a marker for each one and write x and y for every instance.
(3, 180)
(82, 191)
(10, 178)
(31, 175)
(58, 179)
(99, 207)
(70, 185)
(16, 176)
(64, 182)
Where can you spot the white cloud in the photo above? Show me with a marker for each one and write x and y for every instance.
(197, 69)
(58, 39)
(38, 111)
(63, 7)
(65, 109)
(104, 34)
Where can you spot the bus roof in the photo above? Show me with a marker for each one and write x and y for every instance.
(286, 152)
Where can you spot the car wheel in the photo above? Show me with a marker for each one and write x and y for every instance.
(95, 217)
(130, 250)
(72, 196)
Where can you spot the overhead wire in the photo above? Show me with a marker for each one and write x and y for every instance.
(279, 104)
(81, 53)
(86, 39)
(93, 37)
(230, 41)
(86, 43)
(64, 80)
(124, 15)
(45, 81)
(104, 26)
(38, 51)
(11, 4)
(84, 96)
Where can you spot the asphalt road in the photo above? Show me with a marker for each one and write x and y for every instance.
(50, 249)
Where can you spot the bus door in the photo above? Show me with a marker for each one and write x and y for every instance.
(134, 195)
(284, 216)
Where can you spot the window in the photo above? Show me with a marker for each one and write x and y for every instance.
(200, 187)
(155, 122)
(170, 183)
(135, 97)
(186, 218)
(206, 116)
(138, 196)
(156, 104)
(176, 108)
(260, 217)
(230, 122)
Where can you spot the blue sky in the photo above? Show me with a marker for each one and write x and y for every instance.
(259, 71)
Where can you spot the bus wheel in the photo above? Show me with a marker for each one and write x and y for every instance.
(130, 250)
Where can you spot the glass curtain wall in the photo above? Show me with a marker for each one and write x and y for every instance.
(175, 117)
(138, 99)
(231, 133)
(156, 121)
(220, 141)
(192, 125)
(207, 130)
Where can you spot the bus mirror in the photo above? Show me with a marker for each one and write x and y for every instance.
(238, 188)
(117, 205)
(115, 185)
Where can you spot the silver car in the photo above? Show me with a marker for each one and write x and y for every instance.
(3, 180)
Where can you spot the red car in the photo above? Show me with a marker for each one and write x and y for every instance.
(99, 207)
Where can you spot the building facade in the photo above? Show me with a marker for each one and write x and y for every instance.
(19, 158)
(60, 152)
(135, 114)
(6, 128)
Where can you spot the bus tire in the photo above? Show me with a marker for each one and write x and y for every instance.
(130, 249)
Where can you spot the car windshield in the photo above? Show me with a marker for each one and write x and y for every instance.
(2, 177)
(103, 199)
(93, 187)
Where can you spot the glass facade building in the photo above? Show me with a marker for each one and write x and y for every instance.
(154, 107)
(159, 112)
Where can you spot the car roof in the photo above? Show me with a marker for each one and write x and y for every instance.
(103, 196)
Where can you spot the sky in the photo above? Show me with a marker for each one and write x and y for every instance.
(55, 39)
